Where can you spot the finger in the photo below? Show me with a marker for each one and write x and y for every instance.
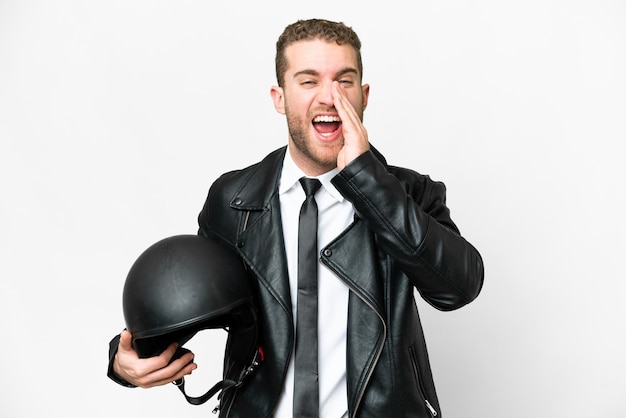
(170, 379)
(169, 351)
(126, 341)
(177, 369)
(163, 363)
(340, 95)
(340, 99)
(347, 113)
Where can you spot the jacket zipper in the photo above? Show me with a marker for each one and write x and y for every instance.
(380, 349)
(420, 386)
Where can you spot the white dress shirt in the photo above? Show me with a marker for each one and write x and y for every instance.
(334, 215)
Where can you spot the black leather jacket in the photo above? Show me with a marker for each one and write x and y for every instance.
(402, 239)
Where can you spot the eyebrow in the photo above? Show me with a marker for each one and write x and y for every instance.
(342, 72)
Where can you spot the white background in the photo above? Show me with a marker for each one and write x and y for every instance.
(116, 116)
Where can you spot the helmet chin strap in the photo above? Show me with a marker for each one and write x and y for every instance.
(222, 385)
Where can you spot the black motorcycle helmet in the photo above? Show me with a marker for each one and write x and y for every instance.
(187, 283)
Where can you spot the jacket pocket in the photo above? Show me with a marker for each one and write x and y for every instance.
(418, 381)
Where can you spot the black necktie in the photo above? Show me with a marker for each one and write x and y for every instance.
(306, 388)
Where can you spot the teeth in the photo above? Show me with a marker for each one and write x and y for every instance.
(326, 118)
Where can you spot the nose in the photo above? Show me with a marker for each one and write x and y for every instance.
(325, 95)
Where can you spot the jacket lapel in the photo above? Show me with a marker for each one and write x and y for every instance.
(353, 257)
(261, 239)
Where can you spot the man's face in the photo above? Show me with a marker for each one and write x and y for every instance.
(315, 134)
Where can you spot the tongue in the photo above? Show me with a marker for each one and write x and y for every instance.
(326, 127)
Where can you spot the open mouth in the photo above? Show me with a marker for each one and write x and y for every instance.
(326, 125)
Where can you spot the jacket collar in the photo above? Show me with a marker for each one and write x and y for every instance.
(257, 190)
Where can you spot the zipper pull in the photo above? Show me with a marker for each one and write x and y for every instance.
(432, 410)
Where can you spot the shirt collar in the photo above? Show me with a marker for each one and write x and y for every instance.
(291, 174)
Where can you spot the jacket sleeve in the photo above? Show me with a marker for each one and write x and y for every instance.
(407, 213)
(110, 372)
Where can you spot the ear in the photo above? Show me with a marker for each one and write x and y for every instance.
(365, 88)
(278, 97)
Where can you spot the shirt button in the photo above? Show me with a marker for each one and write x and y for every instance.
(327, 252)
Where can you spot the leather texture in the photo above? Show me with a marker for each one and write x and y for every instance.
(402, 239)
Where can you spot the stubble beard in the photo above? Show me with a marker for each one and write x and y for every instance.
(321, 156)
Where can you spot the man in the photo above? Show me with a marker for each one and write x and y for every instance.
(383, 232)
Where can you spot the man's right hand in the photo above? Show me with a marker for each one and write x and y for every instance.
(153, 371)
